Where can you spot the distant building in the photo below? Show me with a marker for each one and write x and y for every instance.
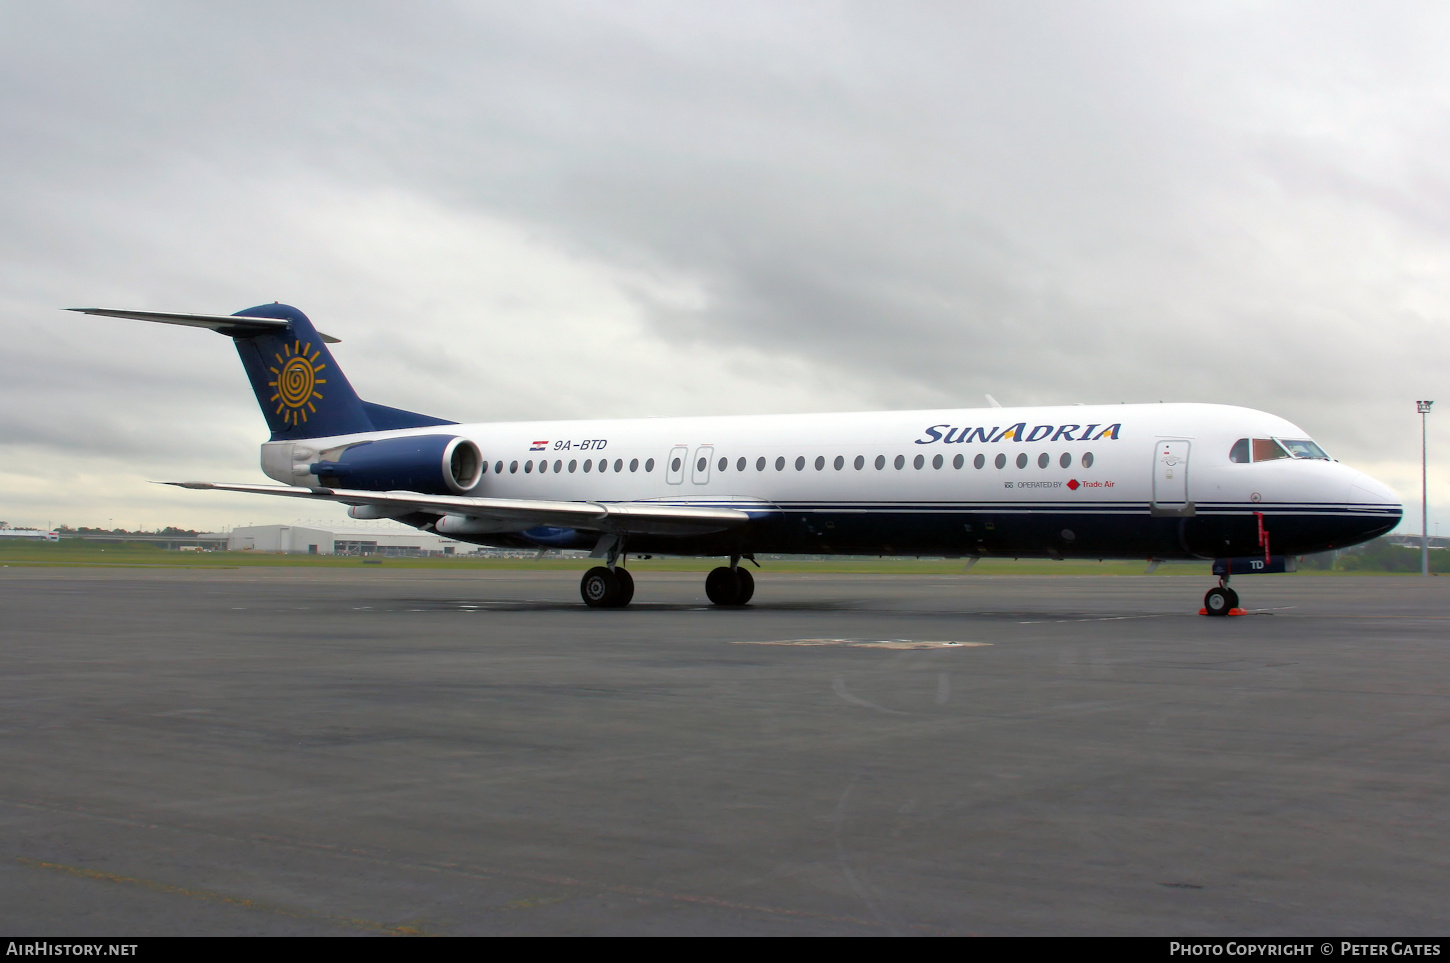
(1413, 541)
(297, 539)
(34, 534)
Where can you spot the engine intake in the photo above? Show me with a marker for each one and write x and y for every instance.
(429, 464)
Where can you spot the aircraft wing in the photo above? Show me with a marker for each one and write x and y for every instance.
(637, 518)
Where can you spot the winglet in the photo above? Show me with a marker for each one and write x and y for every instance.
(993, 402)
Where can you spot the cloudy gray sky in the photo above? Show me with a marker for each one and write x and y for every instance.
(576, 209)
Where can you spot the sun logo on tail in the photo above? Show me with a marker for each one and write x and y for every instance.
(295, 382)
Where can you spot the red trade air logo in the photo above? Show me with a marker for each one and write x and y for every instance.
(1073, 484)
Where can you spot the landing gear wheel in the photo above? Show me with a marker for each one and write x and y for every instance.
(747, 586)
(722, 586)
(1220, 600)
(626, 588)
(599, 588)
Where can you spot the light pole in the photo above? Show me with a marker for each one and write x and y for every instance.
(1423, 407)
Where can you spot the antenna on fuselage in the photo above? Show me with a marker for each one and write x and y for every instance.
(993, 402)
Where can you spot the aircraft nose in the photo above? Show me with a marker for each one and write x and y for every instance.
(1371, 491)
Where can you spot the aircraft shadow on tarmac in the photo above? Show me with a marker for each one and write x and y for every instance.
(556, 605)
(415, 605)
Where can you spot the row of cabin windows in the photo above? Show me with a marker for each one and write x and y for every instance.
(1244, 450)
(559, 467)
(919, 462)
(938, 461)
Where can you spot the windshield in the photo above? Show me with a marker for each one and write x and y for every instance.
(1267, 449)
(1302, 448)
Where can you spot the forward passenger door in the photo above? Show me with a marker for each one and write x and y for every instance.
(1170, 478)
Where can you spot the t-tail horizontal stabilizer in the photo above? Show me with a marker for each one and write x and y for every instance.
(300, 388)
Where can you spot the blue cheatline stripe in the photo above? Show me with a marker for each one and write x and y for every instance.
(1095, 508)
(1074, 506)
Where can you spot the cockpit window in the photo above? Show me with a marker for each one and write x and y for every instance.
(1303, 448)
(1267, 449)
(1239, 453)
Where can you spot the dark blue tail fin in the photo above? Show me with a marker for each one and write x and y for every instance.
(302, 391)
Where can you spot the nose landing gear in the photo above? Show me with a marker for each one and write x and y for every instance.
(1221, 600)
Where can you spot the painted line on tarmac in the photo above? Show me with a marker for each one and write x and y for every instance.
(1101, 618)
(867, 643)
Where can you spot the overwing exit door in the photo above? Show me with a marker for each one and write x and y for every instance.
(1170, 478)
(675, 467)
(700, 470)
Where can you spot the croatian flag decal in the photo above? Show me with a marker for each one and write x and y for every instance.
(539, 446)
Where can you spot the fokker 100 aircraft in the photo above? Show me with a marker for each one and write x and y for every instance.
(1244, 488)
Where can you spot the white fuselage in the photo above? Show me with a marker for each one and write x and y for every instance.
(1084, 480)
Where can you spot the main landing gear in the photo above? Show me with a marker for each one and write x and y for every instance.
(612, 587)
(606, 589)
(607, 586)
(731, 585)
(1221, 600)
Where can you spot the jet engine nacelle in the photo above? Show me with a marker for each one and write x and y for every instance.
(430, 464)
